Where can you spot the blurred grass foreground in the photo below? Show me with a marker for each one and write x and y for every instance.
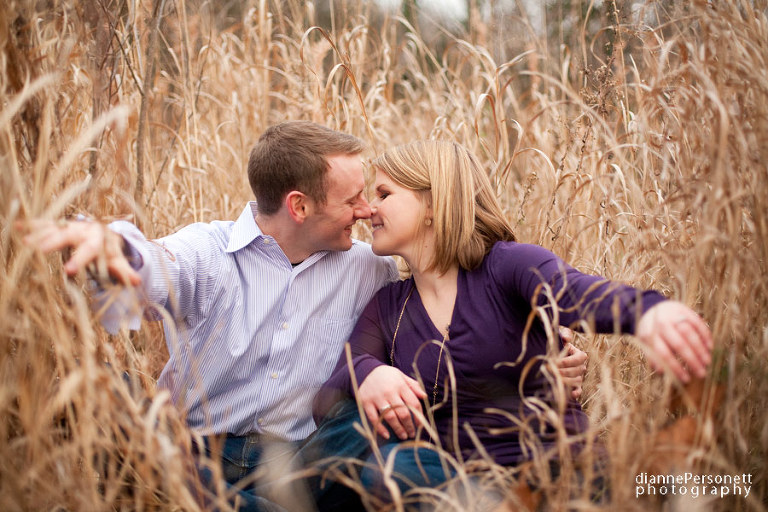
(631, 138)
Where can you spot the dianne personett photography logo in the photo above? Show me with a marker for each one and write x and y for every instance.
(693, 485)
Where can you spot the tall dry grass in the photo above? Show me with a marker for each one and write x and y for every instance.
(636, 150)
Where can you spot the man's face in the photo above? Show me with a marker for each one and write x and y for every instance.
(330, 226)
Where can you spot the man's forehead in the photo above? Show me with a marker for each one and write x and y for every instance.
(345, 174)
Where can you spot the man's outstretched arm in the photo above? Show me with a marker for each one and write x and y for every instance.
(91, 243)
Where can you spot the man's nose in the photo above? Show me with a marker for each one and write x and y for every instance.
(363, 209)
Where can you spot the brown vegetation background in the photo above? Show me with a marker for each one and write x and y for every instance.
(629, 138)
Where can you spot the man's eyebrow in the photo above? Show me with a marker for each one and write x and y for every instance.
(354, 197)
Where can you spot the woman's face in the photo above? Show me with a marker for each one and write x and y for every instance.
(397, 214)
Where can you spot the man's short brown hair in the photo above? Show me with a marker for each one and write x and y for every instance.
(293, 156)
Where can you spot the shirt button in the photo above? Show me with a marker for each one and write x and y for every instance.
(260, 421)
(285, 325)
(266, 241)
(274, 375)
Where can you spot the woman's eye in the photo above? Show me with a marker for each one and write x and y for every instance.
(383, 195)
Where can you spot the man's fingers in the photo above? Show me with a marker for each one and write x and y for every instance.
(117, 264)
(48, 237)
(86, 252)
(123, 272)
(92, 242)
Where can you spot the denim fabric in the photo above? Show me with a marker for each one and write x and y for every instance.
(413, 467)
(337, 440)
(241, 457)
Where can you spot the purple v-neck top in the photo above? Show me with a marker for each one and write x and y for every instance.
(497, 340)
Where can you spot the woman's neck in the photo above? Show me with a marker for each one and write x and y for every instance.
(438, 296)
(434, 282)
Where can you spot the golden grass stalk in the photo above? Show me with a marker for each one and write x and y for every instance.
(632, 143)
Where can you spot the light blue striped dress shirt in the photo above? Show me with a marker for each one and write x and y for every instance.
(251, 338)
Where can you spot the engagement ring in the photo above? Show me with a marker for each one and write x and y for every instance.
(385, 409)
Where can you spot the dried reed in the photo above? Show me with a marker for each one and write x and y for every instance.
(633, 143)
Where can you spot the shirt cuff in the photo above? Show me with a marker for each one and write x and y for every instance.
(643, 303)
(364, 365)
(119, 306)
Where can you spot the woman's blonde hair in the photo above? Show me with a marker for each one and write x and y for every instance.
(466, 214)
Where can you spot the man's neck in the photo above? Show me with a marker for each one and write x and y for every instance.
(286, 234)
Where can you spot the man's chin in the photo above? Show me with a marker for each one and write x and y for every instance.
(343, 246)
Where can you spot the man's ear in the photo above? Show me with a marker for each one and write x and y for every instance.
(298, 205)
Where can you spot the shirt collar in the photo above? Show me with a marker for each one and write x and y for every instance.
(245, 229)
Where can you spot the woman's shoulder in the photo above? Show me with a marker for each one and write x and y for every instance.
(392, 296)
(508, 252)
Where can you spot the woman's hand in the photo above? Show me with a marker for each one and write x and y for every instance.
(388, 394)
(674, 333)
(572, 368)
(92, 242)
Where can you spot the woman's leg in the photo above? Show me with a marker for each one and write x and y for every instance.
(412, 466)
(335, 443)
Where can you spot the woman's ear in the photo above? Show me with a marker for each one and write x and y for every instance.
(298, 205)
(428, 213)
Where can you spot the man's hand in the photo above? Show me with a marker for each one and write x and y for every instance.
(677, 339)
(387, 394)
(92, 242)
(572, 367)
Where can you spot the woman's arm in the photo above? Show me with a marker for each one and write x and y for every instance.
(385, 393)
(675, 334)
(571, 298)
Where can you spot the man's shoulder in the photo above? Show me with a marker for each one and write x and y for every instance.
(360, 258)
(363, 250)
(360, 246)
(199, 235)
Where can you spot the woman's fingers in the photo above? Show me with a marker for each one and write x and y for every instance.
(417, 391)
(678, 339)
(397, 412)
(685, 342)
(566, 334)
(388, 397)
(573, 366)
(665, 358)
(398, 417)
(576, 392)
(695, 330)
(372, 413)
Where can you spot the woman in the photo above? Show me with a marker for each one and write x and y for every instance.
(485, 303)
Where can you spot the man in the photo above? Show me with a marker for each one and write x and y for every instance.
(256, 310)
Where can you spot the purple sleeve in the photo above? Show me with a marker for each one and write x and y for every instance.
(368, 350)
(544, 280)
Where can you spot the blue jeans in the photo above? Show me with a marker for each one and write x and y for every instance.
(241, 457)
(336, 450)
